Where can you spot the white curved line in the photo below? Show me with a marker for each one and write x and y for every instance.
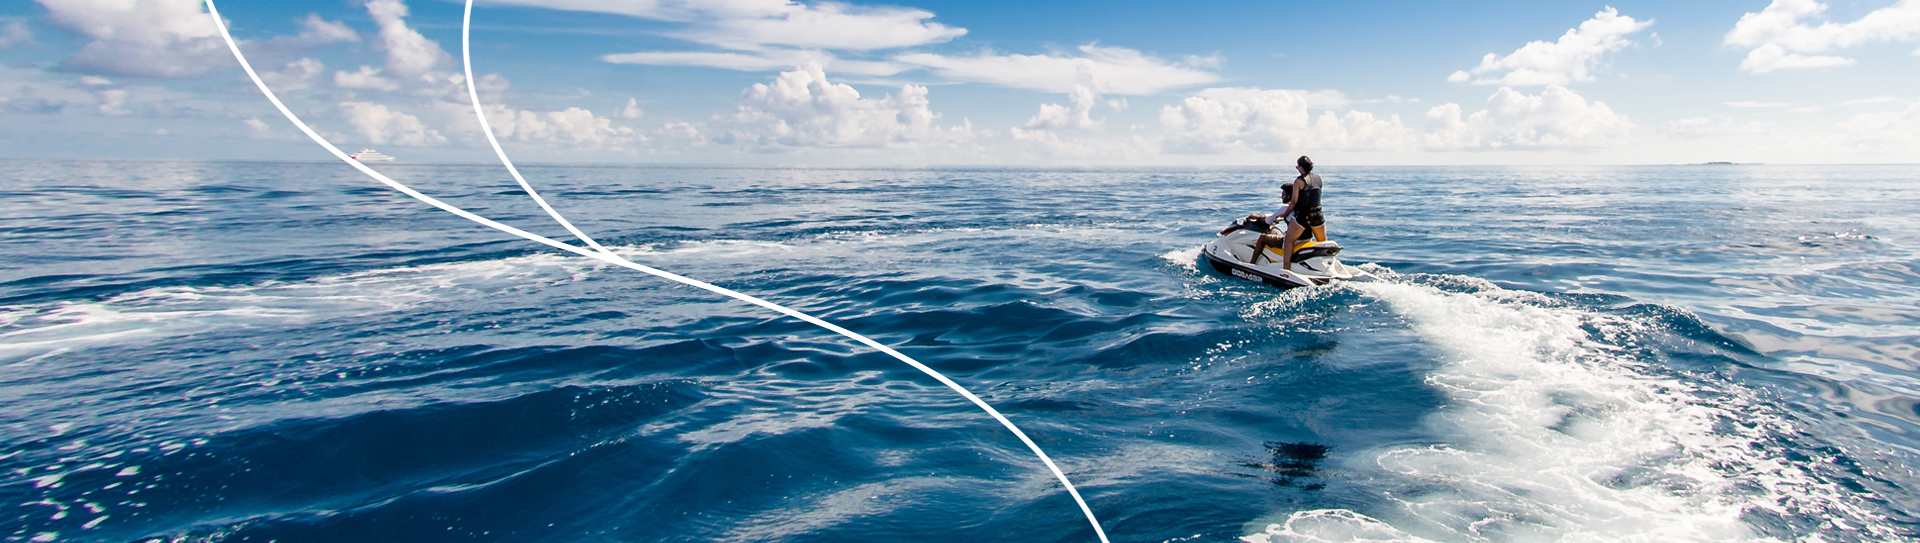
(473, 91)
(605, 256)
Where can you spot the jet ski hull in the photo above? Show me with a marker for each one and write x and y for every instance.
(1317, 265)
(1242, 270)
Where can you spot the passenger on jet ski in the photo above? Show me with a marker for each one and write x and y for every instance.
(1302, 213)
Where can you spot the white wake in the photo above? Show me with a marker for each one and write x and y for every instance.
(1549, 435)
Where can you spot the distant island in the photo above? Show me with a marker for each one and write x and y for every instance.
(1727, 164)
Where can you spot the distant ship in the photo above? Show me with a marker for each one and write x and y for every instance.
(369, 155)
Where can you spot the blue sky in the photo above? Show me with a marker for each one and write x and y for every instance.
(980, 82)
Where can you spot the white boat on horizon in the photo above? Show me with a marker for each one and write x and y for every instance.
(369, 155)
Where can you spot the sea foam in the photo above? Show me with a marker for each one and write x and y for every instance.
(1551, 435)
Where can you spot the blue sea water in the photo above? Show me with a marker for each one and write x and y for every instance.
(195, 351)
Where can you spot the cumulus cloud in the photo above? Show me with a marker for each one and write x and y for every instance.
(1781, 38)
(1221, 120)
(296, 75)
(573, 126)
(414, 64)
(629, 111)
(255, 125)
(1557, 118)
(1106, 70)
(801, 108)
(409, 54)
(755, 24)
(150, 38)
(1080, 116)
(368, 78)
(162, 38)
(314, 32)
(1572, 58)
(381, 125)
(422, 103)
(13, 33)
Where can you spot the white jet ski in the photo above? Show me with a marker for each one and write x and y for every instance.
(1314, 263)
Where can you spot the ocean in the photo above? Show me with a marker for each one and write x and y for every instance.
(291, 352)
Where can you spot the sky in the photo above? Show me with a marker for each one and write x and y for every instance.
(980, 82)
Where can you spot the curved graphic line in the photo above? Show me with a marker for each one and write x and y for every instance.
(604, 255)
(473, 91)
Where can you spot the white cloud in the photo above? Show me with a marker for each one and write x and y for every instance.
(314, 32)
(802, 109)
(13, 33)
(256, 125)
(779, 59)
(409, 54)
(296, 75)
(162, 38)
(1079, 117)
(1772, 56)
(114, 102)
(573, 127)
(1895, 133)
(1221, 120)
(1555, 119)
(381, 126)
(368, 78)
(150, 38)
(746, 62)
(1782, 39)
(1107, 70)
(1562, 62)
(1756, 105)
(630, 111)
(317, 31)
(755, 24)
(824, 26)
(1045, 141)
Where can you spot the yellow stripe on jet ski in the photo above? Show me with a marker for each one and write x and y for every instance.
(1296, 248)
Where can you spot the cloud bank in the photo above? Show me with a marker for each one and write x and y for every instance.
(801, 108)
(1557, 118)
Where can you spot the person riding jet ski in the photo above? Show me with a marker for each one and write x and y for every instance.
(1240, 249)
(1302, 199)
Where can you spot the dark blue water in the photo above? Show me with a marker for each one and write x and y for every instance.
(290, 352)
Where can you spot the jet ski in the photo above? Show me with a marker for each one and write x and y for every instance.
(1314, 262)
